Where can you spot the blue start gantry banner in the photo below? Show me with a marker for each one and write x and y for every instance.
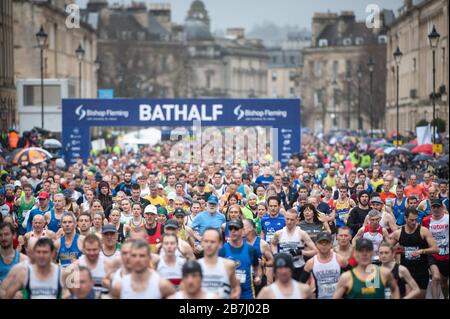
(79, 115)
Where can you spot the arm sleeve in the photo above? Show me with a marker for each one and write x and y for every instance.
(304, 276)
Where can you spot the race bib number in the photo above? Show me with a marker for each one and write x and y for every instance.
(269, 237)
(409, 253)
(240, 275)
(326, 291)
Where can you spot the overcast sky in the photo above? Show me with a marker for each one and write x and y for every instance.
(247, 13)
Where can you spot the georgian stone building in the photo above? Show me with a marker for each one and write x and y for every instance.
(410, 33)
(60, 62)
(333, 95)
(7, 88)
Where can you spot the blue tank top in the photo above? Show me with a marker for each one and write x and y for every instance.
(257, 246)
(271, 225)
(66, 255)
(55, 224)
(243, 263)
(5, 268)
(399, 211)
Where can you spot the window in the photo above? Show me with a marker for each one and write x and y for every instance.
(414, 64)
(347, 41)
(323, 43)
(317, 69)
(274, 59)
(32, 95)
(335, 68)
(382, 39)
(348, 67)
(291, 75)
(292, 90)
(359, 41)
(274, 75)
(292, 60)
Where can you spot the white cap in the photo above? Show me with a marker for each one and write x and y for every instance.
(172, 195)
(17, 183)
(150, 209)
(160, 186)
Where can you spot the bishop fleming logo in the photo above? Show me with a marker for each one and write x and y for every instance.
(238, 112)
(80, 112)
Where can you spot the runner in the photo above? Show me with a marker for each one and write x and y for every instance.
(8, 255)
(153, 228)
(192, 283)
(41, 209)
(40, 280)
(169, 264)
(143, 282)
(358, 214)
(85, 288)
(137, 220)
(53, 217)
(28, 240)
(219, 274)
(437, 224)
(110, 246)
(184, 250)
(84, 224)
(366, 281)
(344, 247)
(273, 221)
(400, 273)
(325, 267)
(343, 206)
(399, 206)
(248, 269)
(94, 261)
(373, 232)
(69, 247)
(211, 218)
(416, 242)
(24, 205)
(291, 239)
(284, 287)
(114, 217)
(263, 252)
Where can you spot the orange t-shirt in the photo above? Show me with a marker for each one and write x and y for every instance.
(417, 191)
(385, 195)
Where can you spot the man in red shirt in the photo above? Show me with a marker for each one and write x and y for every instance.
(427, 182)
(414, 189)
(386, 193)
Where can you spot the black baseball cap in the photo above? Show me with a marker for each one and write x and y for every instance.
(179, 212)
(436, 202)
(324, 236)
(363, 243)
(235, 223)
(109, 228)
(201, 183)
(283, 260)
(172, 223)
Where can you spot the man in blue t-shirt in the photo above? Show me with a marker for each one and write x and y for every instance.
(265, 179)
(211, 218)
(274, 220)
(245, 258)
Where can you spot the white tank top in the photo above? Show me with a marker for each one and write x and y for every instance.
(439, 230)
(292, 241)
(49, 288)
(98, 273)
(171, 273)
(296, 294)
(216, 279)
(382, 223)
(151, 292)
(326, 276)
(112, 257)
(375, 238)
(117, 277)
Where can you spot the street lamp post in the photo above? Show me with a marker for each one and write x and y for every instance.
(397, 56)
(371, 65)
(41, 37)
(80, 55)
(359, 74)
(434, 41)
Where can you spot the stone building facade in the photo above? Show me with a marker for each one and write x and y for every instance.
(410, 33)
(8, 114)
(333, 95)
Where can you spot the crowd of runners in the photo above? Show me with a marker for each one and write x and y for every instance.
(331, 224)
